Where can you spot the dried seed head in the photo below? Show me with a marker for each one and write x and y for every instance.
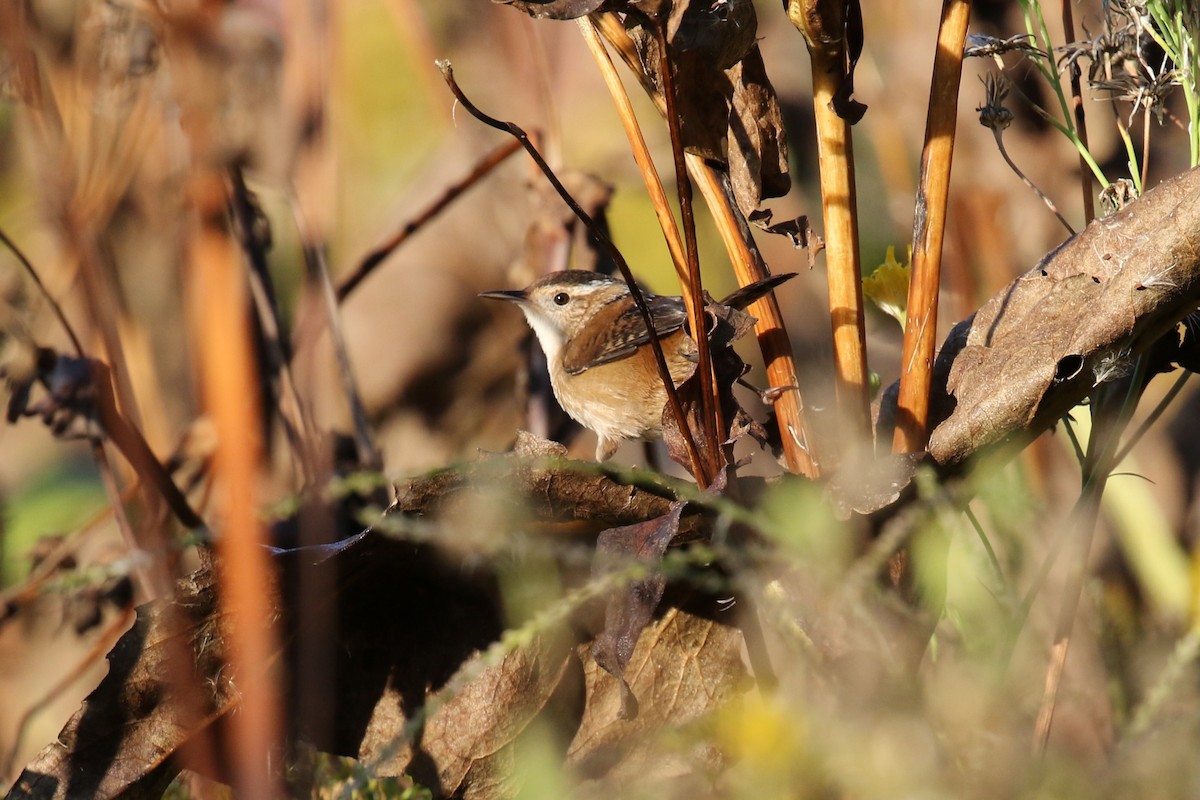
(993, 114)
(981, 45)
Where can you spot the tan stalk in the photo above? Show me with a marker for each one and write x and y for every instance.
(641, 153)
(222, 342)
(823, 27)
(224, 345)
(772, 335)
(929, 225)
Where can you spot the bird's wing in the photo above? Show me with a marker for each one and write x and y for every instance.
(618, 330)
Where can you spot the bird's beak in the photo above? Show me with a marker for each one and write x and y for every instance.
(516, 296)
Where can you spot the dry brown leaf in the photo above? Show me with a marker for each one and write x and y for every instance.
(728, 110)
(548, 494)
(683, 668)
(403, 620)
(799, 230)
(757, 149)
(120, 742)
(633, 604)
(468, 740)
(1077, 319)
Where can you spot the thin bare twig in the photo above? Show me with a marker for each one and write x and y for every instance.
(698, 470)
(772, 336)
(637, 143)
(993, 114)
(1085, 171)
(379, 254)
(27, 265)
(277, 347)
(318, 276)
(1017, 170)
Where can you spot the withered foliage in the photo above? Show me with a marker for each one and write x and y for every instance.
(727, 107)
(630, 610)
(414, 623)
(1076, 320)
(430, 670)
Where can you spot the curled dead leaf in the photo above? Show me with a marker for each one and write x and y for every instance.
(1043, 343)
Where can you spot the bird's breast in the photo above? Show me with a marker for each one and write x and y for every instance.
(623, 399)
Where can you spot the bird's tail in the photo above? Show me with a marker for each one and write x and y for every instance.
(751, 292)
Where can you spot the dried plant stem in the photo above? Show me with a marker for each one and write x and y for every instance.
(772, 336)
(378, 255)
(1153, 416)
(1085, 172)
(1081, 532)
(838, 204)
(822, 25)
(297, 424)
(1135, 174)
(929, 225)
(698, 469)
(319, 281)
(999, 134)
(641, 153)
(1083, 524)
(224, 344)
(1112, 407)
(137, 452)
(27, 265)
(710, 403)
(152, 580)
(683, 258)
(1145, 145)
(143, 577)
(103, 311)
(117, 409)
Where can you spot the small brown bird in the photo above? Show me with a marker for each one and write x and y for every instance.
(602, 368)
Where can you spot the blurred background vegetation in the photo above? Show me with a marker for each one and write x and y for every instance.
(95, 193)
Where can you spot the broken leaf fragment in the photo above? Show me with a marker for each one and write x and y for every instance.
(887, 286)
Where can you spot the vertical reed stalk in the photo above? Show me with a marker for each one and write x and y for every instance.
(823, 25)
(929, 225)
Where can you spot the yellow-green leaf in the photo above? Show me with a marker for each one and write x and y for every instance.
(887, 286)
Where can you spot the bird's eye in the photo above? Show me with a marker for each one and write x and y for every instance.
(562, 298)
